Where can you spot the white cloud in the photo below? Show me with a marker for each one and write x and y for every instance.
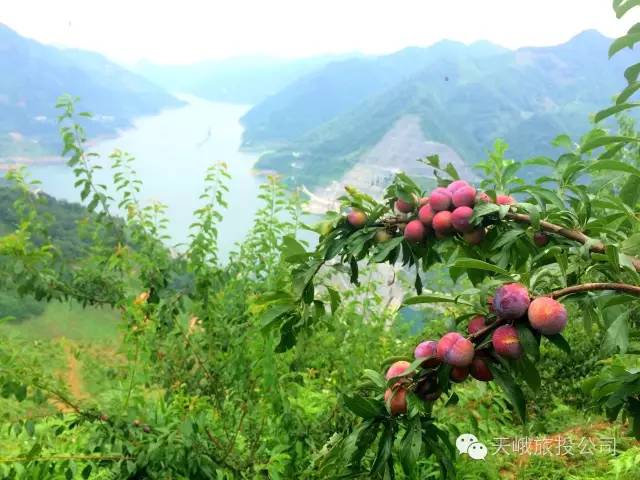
(188, 30)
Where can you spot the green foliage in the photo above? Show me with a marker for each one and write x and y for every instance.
(271, 365)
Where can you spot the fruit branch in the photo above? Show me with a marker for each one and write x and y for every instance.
(594, 245)
(590, 287)
(585, 287)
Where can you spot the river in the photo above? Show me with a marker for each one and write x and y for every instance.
(173, 150)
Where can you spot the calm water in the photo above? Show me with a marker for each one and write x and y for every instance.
(173, 150)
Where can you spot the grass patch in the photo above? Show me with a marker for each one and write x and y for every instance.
(72, 321)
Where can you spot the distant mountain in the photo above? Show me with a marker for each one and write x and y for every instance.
(340, 86)
(464, 100)
(245, 80)
(34, 75)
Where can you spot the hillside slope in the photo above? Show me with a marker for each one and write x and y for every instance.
(34, 75)
(339, 87)
(526, 97)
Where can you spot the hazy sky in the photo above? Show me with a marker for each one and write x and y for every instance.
(185, 31)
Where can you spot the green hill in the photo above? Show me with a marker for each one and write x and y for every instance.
(525, 96)
(341, 86)
(34, 75)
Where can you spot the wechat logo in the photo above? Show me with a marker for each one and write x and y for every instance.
(469, 444)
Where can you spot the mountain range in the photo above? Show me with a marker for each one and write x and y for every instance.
(35, 75)
(322, 125)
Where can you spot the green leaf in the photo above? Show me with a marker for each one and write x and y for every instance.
(627, 41)
(627, 93)
(384, 450)
(376, 378)
(621, 7)
(560, 342)
(617, 336)
(363, 407)
(433, 298)
(273, 313)
(529, 342)
(606, 140)
(473, 263)
(411, 446)
(613, 165)
(632, 73)
(620, 107)
(86, 471)
(385, 249)
(511, 389)
(530, 373)
(630, 192)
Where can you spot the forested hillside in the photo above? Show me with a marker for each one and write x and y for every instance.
(34, 75)
(340, 86)
(465, 101)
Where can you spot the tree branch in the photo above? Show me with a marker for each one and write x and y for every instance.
(590, 287)
(585, 287)
(594, 245)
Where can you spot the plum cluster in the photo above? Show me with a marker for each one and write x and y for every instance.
(447, 211)
(511, 304)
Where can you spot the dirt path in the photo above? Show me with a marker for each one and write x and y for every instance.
(73, 379)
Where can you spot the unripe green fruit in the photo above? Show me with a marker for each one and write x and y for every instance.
(382, 236)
